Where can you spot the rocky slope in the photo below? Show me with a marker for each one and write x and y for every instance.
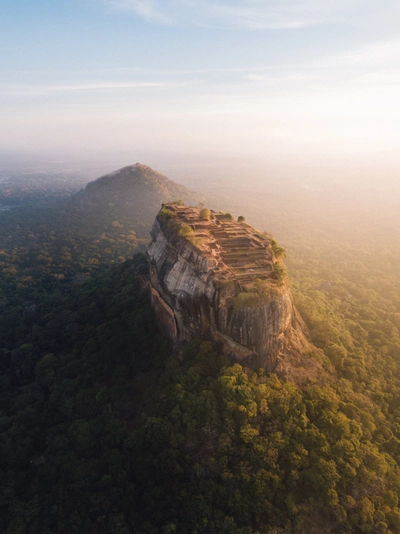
(217, 279)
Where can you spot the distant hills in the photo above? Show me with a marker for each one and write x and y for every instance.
(132, 195)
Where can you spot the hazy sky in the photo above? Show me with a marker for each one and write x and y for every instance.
(320, 79)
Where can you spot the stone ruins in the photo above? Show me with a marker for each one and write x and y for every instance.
(235, 250)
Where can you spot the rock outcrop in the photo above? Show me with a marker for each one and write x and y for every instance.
(218, 279)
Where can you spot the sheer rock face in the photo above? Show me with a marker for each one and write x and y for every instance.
(195, 286)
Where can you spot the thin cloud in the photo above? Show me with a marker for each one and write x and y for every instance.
(374, 64)
(374, 54)
(147, 9)
(44, 90)
(247, 14)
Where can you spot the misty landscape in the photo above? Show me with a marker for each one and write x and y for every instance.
(199, 267)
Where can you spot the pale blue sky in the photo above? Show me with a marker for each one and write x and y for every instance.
(294, 78)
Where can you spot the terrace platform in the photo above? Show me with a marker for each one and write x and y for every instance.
(241, 253)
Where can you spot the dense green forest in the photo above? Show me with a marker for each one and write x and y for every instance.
(105, 429)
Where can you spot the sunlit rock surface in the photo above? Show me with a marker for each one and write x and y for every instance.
(218, 279)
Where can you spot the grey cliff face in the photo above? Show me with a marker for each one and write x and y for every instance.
(200, 289)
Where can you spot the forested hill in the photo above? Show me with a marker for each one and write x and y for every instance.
(132, 195)
(50, 238)
(104, 429)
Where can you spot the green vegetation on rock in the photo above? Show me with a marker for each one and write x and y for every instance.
(205, 213)
(165, 213)
(263, 291)
(222, 283)
(280, 273)
(185, 230)
(279, 252)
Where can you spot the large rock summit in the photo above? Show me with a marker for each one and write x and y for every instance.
(218, 279)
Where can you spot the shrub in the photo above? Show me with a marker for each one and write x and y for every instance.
(220, 284)
(165, 213)
(196, 241)
(279, 252)
(185, 230)
(261, 294)
(205, 213)
(188, 233)
(280, 273)
(245, 300)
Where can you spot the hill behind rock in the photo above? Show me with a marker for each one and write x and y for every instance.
(131, 195)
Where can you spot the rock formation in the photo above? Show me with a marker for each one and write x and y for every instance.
(218, 279)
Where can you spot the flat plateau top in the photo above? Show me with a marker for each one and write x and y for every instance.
(240, 253)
